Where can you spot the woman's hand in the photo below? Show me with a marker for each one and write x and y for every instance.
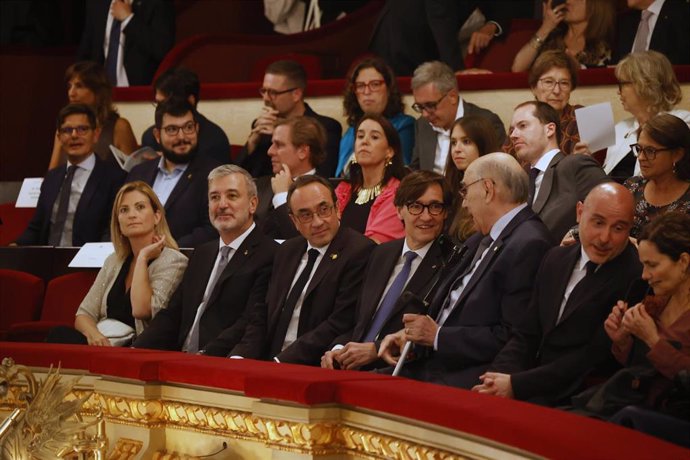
(97, 339)
(638, 322)
(552, 17)
(613, 325)
(153, 250)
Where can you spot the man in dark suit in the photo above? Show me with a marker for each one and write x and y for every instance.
(410, 264)
(660, 25)
(557, 181)
(181, 83)
(436, 97)
(487, 292)
(317, 278)
(76, 199)
(283, 97)
(179, 176)
(137, 35)
(562, 337)
(224, 279)
(297, 148)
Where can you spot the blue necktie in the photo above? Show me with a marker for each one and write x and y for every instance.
(390, 299)
(533, 173)
(113, 48)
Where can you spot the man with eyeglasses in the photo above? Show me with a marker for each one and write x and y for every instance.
(76, 198)
(181, 83)
(557, 181)
(179, 176)
(315, 283)
(407, 265)
(435, 91)
(282, 93)
(482, 297)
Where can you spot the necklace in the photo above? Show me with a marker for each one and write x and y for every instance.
(365, 195)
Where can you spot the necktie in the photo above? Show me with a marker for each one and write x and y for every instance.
(642, 32)
(63, 205)
(390, 299)
(113, 49)
(193, 346)
(533, 173)
(590, 268)
(291, 302)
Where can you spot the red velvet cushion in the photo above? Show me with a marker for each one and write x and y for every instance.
(34, 331)
(20, 297)
(133, 363)
(64, 294)
(14, 222)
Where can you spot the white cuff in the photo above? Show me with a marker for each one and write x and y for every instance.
(279, 199)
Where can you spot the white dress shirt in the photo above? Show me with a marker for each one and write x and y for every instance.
(655, 9)
(542, 164)
(81, 177)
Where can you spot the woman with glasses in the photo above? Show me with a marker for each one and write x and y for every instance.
(136, 281)
(663, 151)
(88, 84)
(471, 137)
(582, 28)
(365, 200)
(646, 86)
(372, 89)
(552, 78)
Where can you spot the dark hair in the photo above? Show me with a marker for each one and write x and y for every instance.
(178, 82)
(175, 107)
(552, 59)
(305, 180)
(351, 107)
(670, 233)
(291, 70)
(310, 132)
(416, 184)
(93, 76)
(545, 114)
(77, 109)
(395, 169)
(671, 132)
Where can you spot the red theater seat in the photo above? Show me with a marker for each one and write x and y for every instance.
(20, 298)
(13, 221)
(63, 296)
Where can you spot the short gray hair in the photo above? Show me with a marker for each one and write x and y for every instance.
(436, 72)
(226, 170)
(504, 170)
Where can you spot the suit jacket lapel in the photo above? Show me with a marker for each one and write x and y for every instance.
(181, 186)
(239, 258)
(546, 184)
(90, 188)
(560, 283)
(329, 259)
(285, 279)
(588, 289)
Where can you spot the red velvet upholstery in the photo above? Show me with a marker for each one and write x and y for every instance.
(499, 55)
(20, 298)
(14, 222)
(63, 296)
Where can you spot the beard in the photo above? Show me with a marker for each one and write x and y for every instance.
(180, 158)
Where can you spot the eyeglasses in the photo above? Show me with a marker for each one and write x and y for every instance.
(648, 151)
(187, 128)
(463, 187)
(416, 208)
(273, 93)
(550, 83)
(81, 130)
(323, 211)
(428, 106)
(373, 85)
(622, 83)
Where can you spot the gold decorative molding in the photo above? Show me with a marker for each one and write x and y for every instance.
(125, 449)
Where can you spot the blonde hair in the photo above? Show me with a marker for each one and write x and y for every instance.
(121, 242)
(652, 77)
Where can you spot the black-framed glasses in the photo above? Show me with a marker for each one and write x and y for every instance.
(622, 83)
(323, 211)
(81, 130)
(273, 93)
(648, 151)
(373, 85)
(550, 84)
(428, 106)
(416, 208)
(464, 187)
(187, 128)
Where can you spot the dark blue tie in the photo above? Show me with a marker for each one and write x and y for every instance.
(113, 48)
(533, 173)
(390, 299)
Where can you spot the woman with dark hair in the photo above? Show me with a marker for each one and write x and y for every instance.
(365, 200)
(582, 28)
(88, 84)
(471, 137)
(663, 150)
(373, 89)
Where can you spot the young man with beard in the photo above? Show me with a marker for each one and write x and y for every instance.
(179, 176)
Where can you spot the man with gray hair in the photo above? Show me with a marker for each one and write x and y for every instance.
(225, 278)
(436, 98)
(481, 298)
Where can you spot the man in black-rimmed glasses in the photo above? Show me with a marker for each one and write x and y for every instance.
(282, 92)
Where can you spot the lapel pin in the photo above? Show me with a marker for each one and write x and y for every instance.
(333, 256)
(189, 176)
(246, 251)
